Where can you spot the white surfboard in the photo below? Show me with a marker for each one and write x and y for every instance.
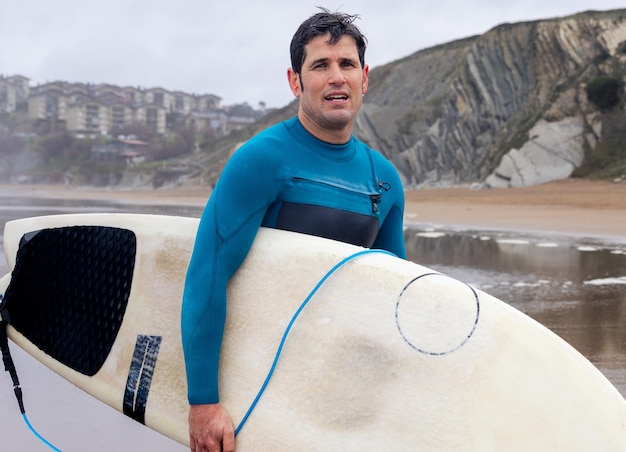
(385, 355)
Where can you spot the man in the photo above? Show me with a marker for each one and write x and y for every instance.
(307, 174)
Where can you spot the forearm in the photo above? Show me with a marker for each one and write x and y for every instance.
(202, 320)
(216, 257)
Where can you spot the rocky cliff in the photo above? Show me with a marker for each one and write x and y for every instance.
(507, 108)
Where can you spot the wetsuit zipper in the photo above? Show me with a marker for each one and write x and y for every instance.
(374, 198)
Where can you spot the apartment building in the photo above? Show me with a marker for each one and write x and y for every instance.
(185, 103)
(89, 117)
(49, 104)
(90, 108)
(13, 90)
(207, 102)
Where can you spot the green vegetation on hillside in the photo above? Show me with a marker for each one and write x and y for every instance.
(608, 159)
(604, 91)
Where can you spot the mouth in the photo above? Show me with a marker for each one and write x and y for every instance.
(337, 97)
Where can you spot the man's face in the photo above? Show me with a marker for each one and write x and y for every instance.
(330, 87)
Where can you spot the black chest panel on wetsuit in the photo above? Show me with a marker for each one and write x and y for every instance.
(329, 223)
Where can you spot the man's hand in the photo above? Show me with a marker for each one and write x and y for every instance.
(210, 429)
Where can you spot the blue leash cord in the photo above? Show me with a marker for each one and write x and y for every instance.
(288, 329)
(41, 438)
(9, 366)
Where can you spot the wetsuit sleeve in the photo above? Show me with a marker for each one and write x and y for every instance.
(391, 233)
(225, 234)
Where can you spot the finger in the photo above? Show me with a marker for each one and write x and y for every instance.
(228, 441)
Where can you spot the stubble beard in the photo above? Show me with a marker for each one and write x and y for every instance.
(334, 120)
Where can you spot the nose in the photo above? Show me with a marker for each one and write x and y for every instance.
(337, 76)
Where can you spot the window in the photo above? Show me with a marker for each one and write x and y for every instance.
(92, 120)
(118, 116)
(152, 118)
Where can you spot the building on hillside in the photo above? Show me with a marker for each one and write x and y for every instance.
(8, 97)
(85, 108)
(125, 151)
(48, 105)
(152, 115)
(21, 85)
(77, 94)
(238, 122)
(215, 120)
(207, 102)
(159, 97)
(131, 96)
(87, 116)
(14, 90)
(183, 103)
(120, 115)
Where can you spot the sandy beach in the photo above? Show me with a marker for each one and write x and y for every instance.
(570, 206)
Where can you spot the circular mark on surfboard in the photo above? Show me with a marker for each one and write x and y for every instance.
(437, 314)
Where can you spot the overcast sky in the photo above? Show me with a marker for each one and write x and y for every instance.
(235, 49)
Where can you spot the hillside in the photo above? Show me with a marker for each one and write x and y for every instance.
(509, 107)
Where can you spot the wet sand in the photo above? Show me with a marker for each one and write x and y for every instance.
(570, 206)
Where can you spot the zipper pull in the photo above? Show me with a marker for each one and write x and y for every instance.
(375, 200)
(377, 197)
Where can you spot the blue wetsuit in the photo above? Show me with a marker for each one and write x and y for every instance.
(282, 178)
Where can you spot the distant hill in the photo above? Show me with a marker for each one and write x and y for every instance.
(509, 107)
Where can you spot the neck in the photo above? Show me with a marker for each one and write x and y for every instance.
(339, 135)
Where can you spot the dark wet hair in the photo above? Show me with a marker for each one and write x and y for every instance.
(325, 22)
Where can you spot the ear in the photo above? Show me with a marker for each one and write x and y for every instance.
(366, 72)
(294, 82)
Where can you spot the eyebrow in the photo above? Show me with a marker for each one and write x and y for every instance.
(341, 60)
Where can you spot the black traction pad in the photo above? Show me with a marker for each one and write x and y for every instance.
(69, 291)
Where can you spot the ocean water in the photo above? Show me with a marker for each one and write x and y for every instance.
(576, 286)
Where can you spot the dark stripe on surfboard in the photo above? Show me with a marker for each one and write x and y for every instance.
(140, 377)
